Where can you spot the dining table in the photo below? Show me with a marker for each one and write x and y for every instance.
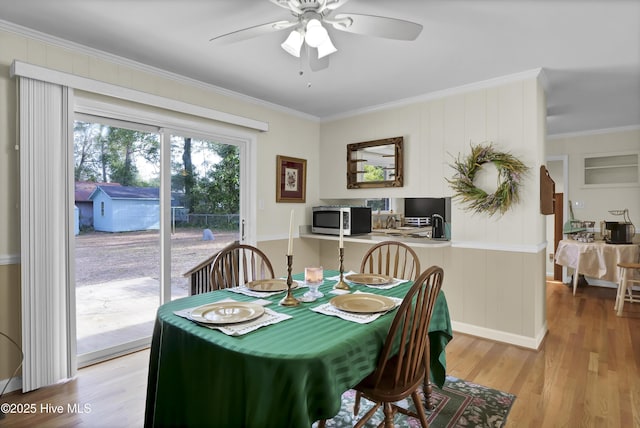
(596, 259)
(286, 374)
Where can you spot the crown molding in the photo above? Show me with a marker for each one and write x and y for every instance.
(484, 84)
(594, 132)
(76, 47)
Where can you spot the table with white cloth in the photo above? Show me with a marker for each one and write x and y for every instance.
(595, 259)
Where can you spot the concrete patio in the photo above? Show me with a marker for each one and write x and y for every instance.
(112, 313)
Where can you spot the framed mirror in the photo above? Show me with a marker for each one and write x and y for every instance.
(376, 163)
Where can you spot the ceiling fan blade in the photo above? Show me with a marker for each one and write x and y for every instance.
(334, 4)
(255, 31)
(379, 26)
(282, 3)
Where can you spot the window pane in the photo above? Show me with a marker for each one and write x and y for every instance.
(117, 209)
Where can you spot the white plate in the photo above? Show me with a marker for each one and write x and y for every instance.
(226, 312)
(364, 303)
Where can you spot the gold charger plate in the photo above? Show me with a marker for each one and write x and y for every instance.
(364, 303)
(269, 285)
(368, 278)
(226, 312)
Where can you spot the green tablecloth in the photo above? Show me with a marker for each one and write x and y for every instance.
(288, 374)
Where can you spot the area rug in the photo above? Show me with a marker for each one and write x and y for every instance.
(457, 404)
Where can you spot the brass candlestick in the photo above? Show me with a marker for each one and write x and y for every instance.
(289, 300)
(341, 285)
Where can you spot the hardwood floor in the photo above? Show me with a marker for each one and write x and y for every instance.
(585, 374)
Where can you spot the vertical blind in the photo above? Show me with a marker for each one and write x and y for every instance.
(46, 189)
(46, 227)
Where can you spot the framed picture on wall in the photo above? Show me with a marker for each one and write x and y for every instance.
(291, 179)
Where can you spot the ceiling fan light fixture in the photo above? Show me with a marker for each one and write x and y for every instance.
(326, 48)
(316, 34)
(293, 43)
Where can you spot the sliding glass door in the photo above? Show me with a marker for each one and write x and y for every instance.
(205, 207)
(117, 225)
(129, 256)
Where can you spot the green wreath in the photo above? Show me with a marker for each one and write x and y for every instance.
(510, 172)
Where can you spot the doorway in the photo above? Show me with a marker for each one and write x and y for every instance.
(558, 171)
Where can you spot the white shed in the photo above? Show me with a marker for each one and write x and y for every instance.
(76, 216)
(125, 208)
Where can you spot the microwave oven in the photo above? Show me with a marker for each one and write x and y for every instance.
(355, 220)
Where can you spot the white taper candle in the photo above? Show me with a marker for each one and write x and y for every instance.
(341, 230)
(290, 247)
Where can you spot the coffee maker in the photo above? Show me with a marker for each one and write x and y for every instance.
(622, 233)
(619, 232)
(437, 227)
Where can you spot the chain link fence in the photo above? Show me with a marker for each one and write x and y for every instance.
(212, 221)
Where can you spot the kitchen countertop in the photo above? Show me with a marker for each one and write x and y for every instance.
(379, 235)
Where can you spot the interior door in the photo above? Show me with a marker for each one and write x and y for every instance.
(558, 222)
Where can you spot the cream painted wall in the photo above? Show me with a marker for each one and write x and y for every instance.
(495, 268)
(289, 134)
(598, 201)
(9, 319)
(435, 133)
(305, 254)
(493, 294)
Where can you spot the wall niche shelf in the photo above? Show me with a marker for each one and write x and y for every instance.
(611, 170)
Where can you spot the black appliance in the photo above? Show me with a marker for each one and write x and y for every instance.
(621, 233)
(437, 227)
(419, 211)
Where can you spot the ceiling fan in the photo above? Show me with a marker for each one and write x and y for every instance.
(310, 17)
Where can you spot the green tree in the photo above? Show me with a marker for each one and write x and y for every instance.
(103, 153)
(184, 175)
(373, 173)
(189, 178)
(218, 192)
(124, 146)
(84, 152)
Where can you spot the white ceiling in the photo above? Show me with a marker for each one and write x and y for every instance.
(589, 50)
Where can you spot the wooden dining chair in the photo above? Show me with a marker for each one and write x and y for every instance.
(398, 260)
(238, 264)
(399, 374)
(625, 288)
(391, 258)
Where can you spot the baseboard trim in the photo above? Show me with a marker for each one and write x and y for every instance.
(601, 282)
(14, 384)
(9, 259)
(501, 336)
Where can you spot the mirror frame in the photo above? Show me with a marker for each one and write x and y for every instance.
(353, 164)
